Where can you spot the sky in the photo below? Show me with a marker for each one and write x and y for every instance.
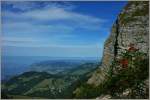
(57, 29)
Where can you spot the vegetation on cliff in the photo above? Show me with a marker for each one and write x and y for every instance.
(126, 78)
(141, 11)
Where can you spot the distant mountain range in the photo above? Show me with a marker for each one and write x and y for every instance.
(41, 84)
(57, 66)
(16, 65)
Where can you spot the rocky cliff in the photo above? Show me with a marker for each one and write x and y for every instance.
(130, 28)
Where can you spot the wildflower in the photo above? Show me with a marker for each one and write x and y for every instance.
(132, 48)
(124, 63)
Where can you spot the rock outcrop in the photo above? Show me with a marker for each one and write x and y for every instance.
(131, 27)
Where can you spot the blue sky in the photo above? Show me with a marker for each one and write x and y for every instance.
(57, 29)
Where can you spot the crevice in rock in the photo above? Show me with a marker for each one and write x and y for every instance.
(116, 37)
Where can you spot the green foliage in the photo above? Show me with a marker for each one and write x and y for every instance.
(129, 73)
(125, 18)
(87, 91)
(42, 84)
(135, 72)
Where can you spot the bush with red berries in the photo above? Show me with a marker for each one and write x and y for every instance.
(126, 78)
(129, 72)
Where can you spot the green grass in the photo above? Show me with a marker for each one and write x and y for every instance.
(125, 18)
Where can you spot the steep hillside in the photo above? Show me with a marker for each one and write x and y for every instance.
(131, 27)
(124, 69)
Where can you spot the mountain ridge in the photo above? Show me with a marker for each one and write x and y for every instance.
(123, 73)
(34, 84)
(125, 33)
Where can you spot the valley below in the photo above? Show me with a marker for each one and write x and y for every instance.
(49, 79)
(121, 72)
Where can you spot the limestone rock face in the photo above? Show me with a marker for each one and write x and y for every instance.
(131, 27)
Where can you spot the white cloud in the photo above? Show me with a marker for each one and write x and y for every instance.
(18, 39)
(60, 14)
(35, 29)
(28, 42)
(35, 42)
(32, 21)
(25, 5)
(55, 13)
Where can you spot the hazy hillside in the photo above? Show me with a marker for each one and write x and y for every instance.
(45, 85)
(57, 66)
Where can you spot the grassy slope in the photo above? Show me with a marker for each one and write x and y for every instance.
(42, 84)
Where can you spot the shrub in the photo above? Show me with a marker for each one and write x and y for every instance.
(133, 71)
(128, 72)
